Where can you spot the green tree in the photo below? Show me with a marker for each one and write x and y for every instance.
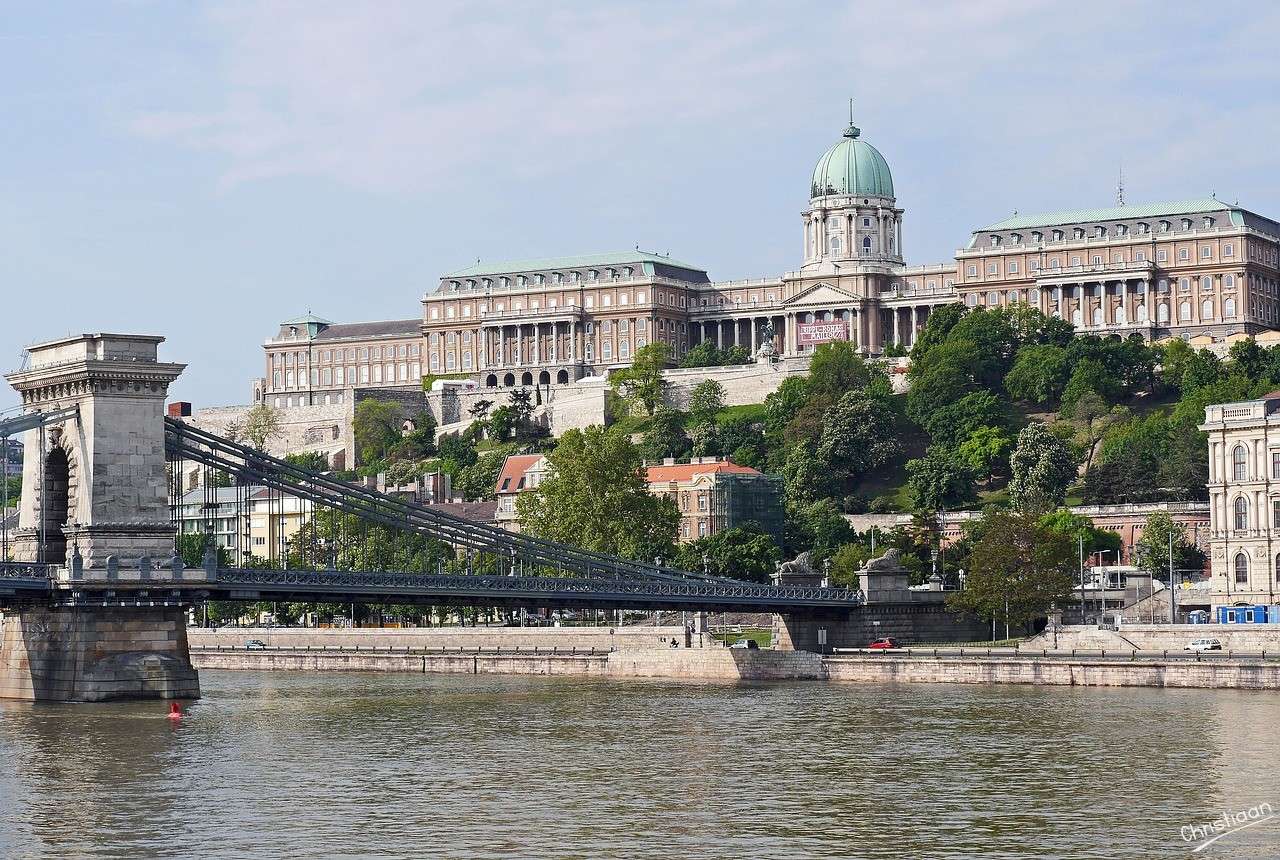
(1151, 551)
(985, 453)
(642, 384)
(847, 562)
(703, 354)
(939, 480)
(782, 404)
(1043, 468)
(312, 461)
(1080, 528)
(819, 528)
(951, 424)
(705, 439)
(479, 480)
(937, 328)
(744, 552)
(261, 425)
(857, 438)
(836, 368)
(595, 496)
(1089, 376)
(665, 436)
(942, 376)
(456, 452)
(375, 427)
(706, 399)
(1039, 374)
(1017, 571)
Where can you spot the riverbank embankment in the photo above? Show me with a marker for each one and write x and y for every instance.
(725, 664)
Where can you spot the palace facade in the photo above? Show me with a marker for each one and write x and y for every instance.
(1194, 268)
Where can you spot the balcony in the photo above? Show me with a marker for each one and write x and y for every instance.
(1138, 269)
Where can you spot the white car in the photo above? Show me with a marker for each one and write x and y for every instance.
(1203, 645)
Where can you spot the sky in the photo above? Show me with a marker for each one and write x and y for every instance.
(204, 171)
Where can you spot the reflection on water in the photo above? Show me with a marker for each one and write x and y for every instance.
(318, 765)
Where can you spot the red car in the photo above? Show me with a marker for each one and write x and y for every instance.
(885, 642)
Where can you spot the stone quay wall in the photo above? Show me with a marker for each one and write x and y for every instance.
(468, 638)
(1162, 637)
(1072, 672)
(922, 620)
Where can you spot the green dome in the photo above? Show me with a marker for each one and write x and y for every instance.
(852, 166)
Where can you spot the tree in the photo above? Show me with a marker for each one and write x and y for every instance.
(847, 562)
(939, 481)
(1094, 418)
(703, 354)
(706, 399)
(986, 452)
(836, 368)
(743, 552)
(1159, 534)
(1080, 528)
(456, 452)
(479, 409)
(857, 437)
(1043, 468)
(1018, 569)
(479, 480)
(595, 496)
(312, 461)
(951, 424)
(818, 527)
(375, 427)
(1039, 374)
(937, 327)
(1089, 376)
(782, 404)
(665, 436)
(261, 425)
(642, 384)
(705, 439)
(943, 375)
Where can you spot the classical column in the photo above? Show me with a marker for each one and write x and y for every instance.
(897, 335)
(915, 324)
(789, 345)
(752, 320)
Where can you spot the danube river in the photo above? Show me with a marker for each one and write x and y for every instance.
(323, 765)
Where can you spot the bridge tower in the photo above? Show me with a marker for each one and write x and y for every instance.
(95, 483)
(95, 504)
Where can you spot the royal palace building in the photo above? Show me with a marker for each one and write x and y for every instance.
(1198, 268)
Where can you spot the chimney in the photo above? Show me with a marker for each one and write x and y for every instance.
(668, 461)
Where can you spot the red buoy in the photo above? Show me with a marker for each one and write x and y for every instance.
(175, 711)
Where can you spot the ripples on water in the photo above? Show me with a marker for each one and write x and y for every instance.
(322, 765)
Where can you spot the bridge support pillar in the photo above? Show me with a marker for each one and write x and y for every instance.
(83, 654)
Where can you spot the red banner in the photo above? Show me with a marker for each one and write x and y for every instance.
(822, 332)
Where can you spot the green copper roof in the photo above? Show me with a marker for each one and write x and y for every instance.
(852, 166)
(549, 264)
(1114, 213)
(308, 317)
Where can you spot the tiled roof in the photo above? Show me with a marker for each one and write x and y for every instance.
(612, 258)
(686, 471)
(1112, 213)
(513, 468)
(476, 512)
(384, 328)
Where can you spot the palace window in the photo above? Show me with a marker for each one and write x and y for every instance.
(1096, 260)
(1206, 309)
(993, 298)
(992, 268)
(1184, 254)
(1075, 261)
(1162, 255)
(1162, 313)
(971, 271)
(1229, 308)
(1206, 252)
(1239, 463)
(1013, 267)
(1241, 513)
(1034, 297)
(1228, 250)
(1242, 569)
(1184, 311)
(1228, 280)
(1184, 285)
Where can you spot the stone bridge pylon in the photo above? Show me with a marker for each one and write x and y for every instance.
(95, 503)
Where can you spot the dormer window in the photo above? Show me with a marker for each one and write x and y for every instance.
(1078, 233)
(504, 282)
(557, 277)
(1100, 231)
(293, 331)
(488, 283)
(1015, 238)
(521, 280)
(1122, 229)
(1208, 221)
(995, 241)
(1144, 227)
(1057, 235)
(453, 285)
(1165, 226)
(628, 271)
(592, 275)
(1186, 223)
(541, 279)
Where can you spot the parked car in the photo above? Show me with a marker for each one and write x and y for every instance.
(885, 642)
(1203, 645)
(749, 644)
(255, 645)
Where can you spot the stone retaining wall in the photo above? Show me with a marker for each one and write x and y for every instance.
(470, 638)
(1082, 672)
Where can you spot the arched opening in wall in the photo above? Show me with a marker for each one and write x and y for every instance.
(509, 380)
(1242, 569)
(491, 381)
(544, 378)
(55, 504)
(526, 378)
(562, 377)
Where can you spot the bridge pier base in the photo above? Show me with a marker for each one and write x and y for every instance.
(73, 654)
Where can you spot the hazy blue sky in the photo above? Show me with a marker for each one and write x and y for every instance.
(204, 171)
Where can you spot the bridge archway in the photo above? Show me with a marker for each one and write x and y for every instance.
(55, 504)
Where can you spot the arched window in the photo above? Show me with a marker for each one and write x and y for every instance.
(835, 245)
(1206, 309)
(1228, 280)
(1162, 313)
(1242, 569)
(1277, 567)
(866, 244)
(1239, 464)
(1121, 317)
(1241, 514)
(1097, 316)
(993, 298)
(1184, 311)
(1206, 283)
(1229, 307)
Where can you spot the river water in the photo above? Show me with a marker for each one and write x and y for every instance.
(325, 765)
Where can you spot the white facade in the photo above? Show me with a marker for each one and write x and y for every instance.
(1244, 500)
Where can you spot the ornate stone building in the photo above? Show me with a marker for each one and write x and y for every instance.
(1197, 268)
